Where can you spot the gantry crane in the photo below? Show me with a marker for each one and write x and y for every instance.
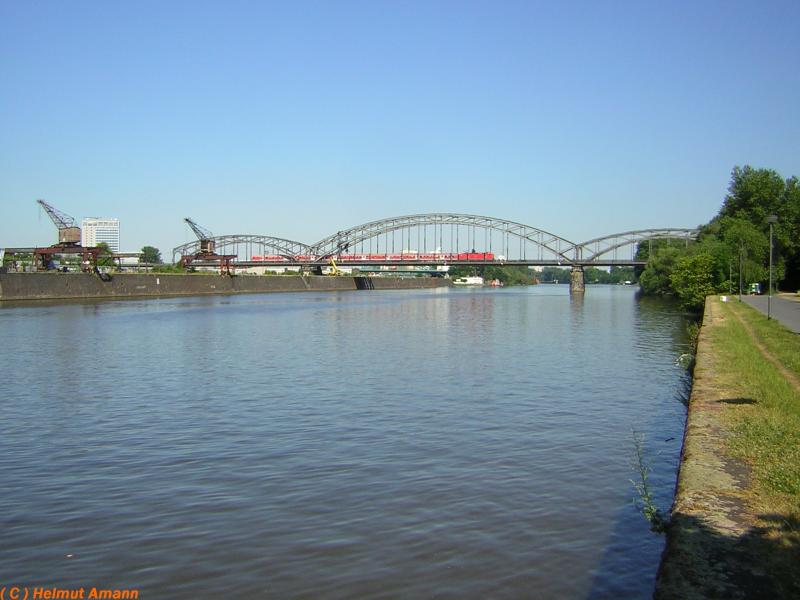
(69, 242)
(207, 250)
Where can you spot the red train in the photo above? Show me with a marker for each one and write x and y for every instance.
(410, 256)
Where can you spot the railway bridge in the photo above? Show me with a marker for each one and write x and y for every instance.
(438, 239)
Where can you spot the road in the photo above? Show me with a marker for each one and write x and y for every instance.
(785, 308)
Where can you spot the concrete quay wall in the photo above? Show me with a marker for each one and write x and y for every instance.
(54, 286)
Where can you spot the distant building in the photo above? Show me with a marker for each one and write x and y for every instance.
(95, 231)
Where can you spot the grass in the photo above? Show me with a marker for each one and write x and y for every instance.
(645, 502)
(766, 433)
(735, 529)
(782, 343)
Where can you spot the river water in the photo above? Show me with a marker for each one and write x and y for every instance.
(444, 443)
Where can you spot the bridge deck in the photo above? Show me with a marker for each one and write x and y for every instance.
(454, 263)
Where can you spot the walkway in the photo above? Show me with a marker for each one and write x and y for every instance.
(785, 308)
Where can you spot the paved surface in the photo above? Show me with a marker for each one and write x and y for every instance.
(785, 309)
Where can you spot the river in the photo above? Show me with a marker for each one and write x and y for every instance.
(448, 443)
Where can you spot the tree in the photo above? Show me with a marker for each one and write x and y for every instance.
(754, 195)
(747, 246)
(655, 279)
(735, 243)
(507, 274)
(105, 259)
(692, 279)
(151, 255)
(787, 233)
(551, 274)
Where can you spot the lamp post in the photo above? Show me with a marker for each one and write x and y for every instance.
(772, 219)
(730, 277)
(741, 263)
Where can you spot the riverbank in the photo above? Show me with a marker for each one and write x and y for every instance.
(60, 286)
(735, 528)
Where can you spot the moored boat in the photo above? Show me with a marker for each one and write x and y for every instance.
(468, 281)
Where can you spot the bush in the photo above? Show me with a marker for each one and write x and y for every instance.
(692, 279)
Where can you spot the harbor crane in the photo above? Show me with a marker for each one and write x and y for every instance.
(69, 242)
(204, 235)
(68, 232)
(207, 252)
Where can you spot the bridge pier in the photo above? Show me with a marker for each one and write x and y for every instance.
(577, 284)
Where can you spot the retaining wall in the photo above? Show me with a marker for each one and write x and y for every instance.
(52, 286)
(713, 548)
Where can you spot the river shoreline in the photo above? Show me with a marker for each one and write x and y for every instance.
(76, 286)
(726, 537)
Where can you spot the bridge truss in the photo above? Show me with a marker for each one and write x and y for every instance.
(452, 232)
(442, 237)
(245, 246)
(606, 250)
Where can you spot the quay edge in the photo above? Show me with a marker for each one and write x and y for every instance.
(715, 547)
(76, 286)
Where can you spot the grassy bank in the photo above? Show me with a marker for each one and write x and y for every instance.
(735, 526)
(766, 428)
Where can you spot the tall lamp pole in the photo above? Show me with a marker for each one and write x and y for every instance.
(741, 263)
(772, 219)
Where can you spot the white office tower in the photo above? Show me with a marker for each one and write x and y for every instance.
(95, 231)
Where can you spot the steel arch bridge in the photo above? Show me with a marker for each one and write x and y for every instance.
(596, 251)
(243, 245)
(423, 238)
(440, 228)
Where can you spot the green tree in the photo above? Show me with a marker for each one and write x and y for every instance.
(614, 275)
(105, 258)
(735, 243)
(621, 274)
(692, 279)
(151, 255)
(787, 233)
(754, 195)
(551, 274)
(748, 248)
(507, 274)
(655, 279)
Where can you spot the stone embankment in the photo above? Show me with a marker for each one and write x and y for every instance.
(56, 286)
(723, 540)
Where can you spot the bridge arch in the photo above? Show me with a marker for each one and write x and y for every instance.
(436, 225)
(592, 251)
(245, 246)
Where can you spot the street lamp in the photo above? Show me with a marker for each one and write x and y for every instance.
(741, 266)
(772, 219)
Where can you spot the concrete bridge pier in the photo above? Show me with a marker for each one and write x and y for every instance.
(577, 285)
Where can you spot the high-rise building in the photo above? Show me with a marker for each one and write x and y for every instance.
(95, 231)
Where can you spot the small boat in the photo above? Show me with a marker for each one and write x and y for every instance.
(468, 281)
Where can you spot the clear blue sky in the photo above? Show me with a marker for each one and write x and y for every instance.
(298, 119)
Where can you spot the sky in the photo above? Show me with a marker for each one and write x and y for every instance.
(299, 119)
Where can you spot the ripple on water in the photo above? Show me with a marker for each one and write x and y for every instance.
(456, 444)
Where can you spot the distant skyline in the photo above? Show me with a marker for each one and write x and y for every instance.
(301, 119)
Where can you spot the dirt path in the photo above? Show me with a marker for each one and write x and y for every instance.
(788, 375)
